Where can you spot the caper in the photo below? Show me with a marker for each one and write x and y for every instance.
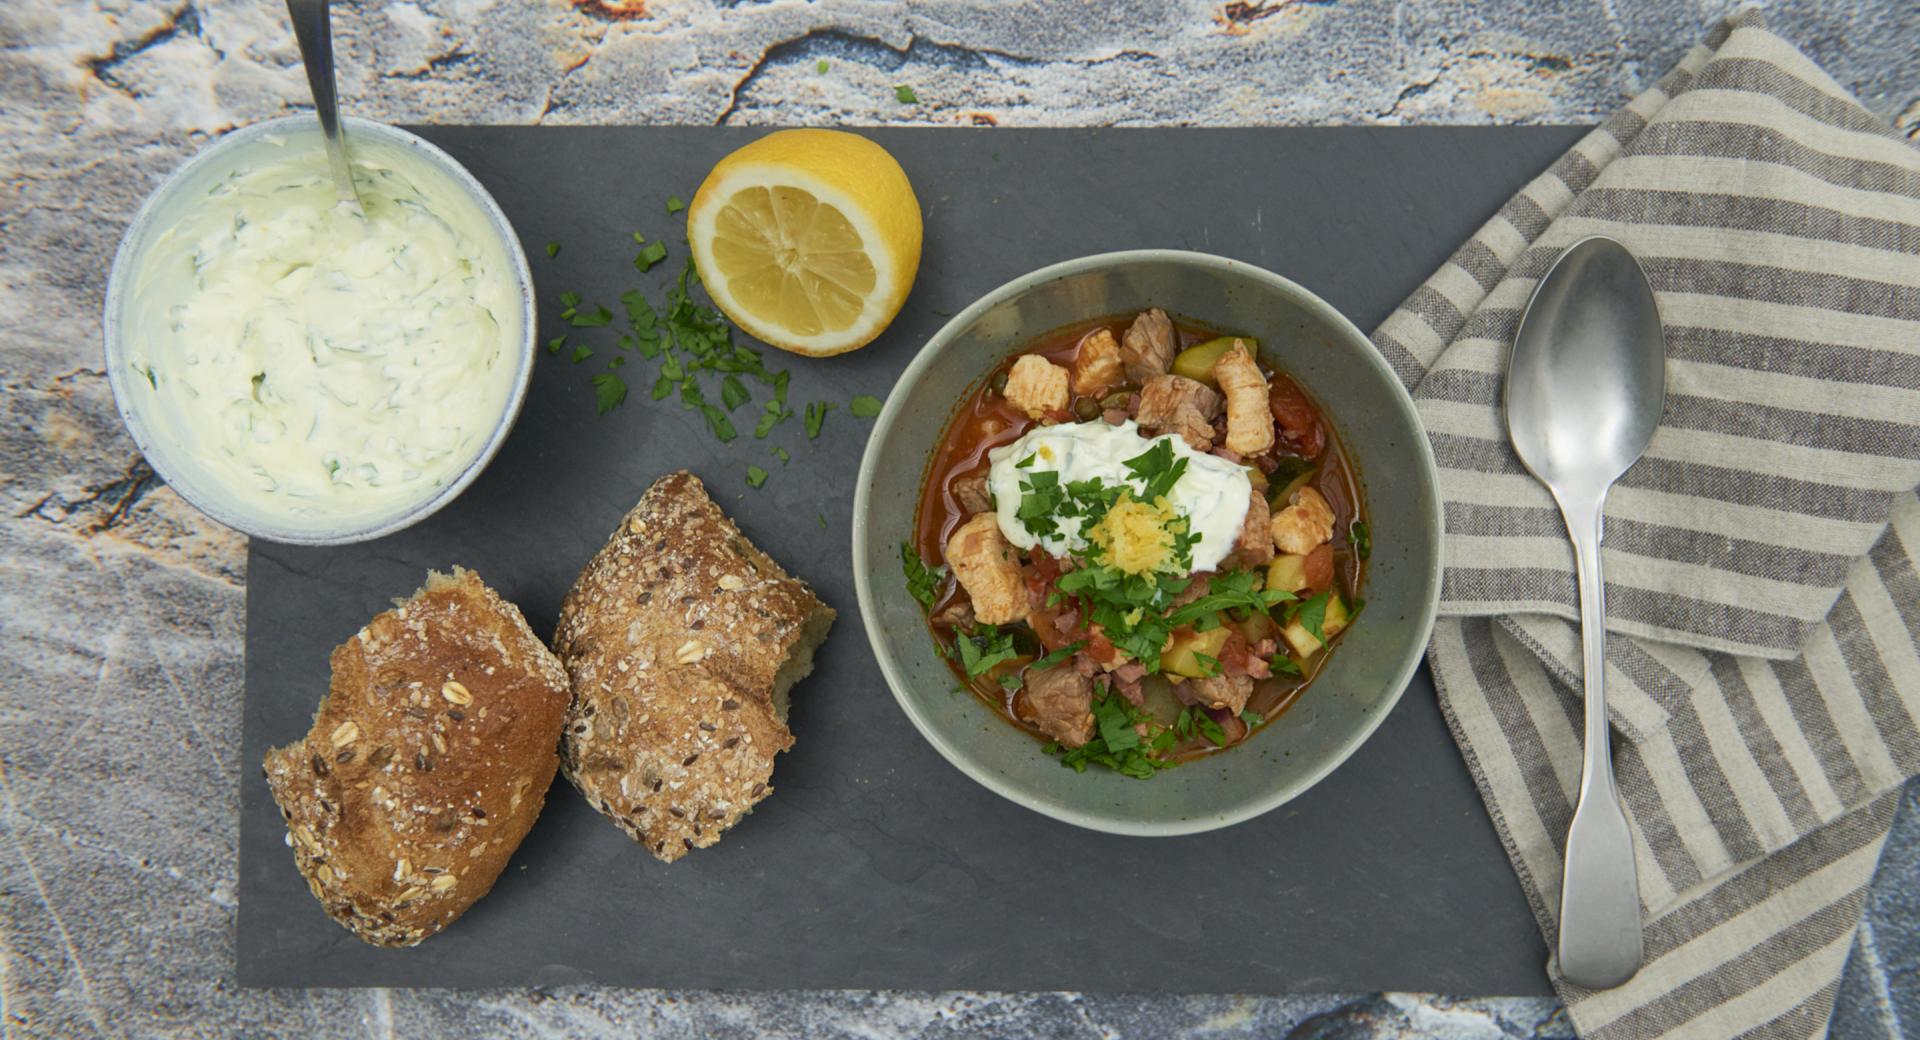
(1086, 409)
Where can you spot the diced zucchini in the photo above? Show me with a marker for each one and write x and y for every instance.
(1303, 642)
(1281, 494)
(1179, 656)
(1196, 362)
(1258, 625)
(1287, 572)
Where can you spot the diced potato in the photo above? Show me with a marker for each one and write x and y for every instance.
(1300, 639)
(1337, 617)
(1179, 656)
(1287, 572)
(1303, 642)
(1196, 362)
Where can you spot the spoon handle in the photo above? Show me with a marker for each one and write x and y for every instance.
(1600, 893)
(313, 28)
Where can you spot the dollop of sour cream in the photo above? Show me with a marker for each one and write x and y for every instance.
(1213, 494)
(323, 364)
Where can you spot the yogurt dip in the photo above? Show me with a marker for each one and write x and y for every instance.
(1212, 494)
(318, 365)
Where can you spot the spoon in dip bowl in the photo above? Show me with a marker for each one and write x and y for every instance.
(313, 27)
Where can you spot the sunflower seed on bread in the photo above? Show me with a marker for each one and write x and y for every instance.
(427, 762)
(681, 640)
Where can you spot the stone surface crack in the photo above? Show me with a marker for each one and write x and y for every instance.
(182, 19)
(118, 496)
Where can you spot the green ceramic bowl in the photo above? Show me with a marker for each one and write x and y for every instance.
(1303, 336)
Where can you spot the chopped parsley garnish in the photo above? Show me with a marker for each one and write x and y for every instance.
(1283, 665)
(650, 254)
(554, 344)
(569, 299)
(865, 406)
(1235, 589)
(1157, 470)
(756, 476)
(781, 454)
(821, 66)
(1118, 745)
(817, 414)
(1026, 463)
(733, 393)
(1059, 655)
(1209, 728)
(608, 391)
(905, 95)
(600, 316)
(923, 582)
(1252, 718)
(581, 354)
(1362, 539)
(553, 249)
(674, 205)
(1209, 664)
(983, 648)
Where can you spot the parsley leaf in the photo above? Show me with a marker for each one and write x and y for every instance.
(600, 316)
(569, 299)
(1059, 655)
(821, 66)
(650, 254)
(923, 582)
(608, 391)
(756, 476)
(1283, 665)
(1362, 538)
(581, 354)
(553, 249)
(732, 393)
(905, 95)
(983, 648)
(674, 205)
(1118, 745)
(1157, 470)
(865, 406)
(1252, 718)
(1228, 591)
(554, 344)
(1209, 664)
(1209, 728)
(817, 414)
(781, 454)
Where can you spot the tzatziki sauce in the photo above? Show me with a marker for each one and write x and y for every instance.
(320, 363)
(1213, 494)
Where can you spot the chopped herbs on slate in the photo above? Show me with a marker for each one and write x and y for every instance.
(674, 205)
(581, 354)
(608, 391)
(650, 254)
(923, 582)
(821, 66)
(756, 476)
(905, 95)
(817, 414)
(553, 249)
(554, 344)
(865, 406)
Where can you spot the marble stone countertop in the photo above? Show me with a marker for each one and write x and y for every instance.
(122, 608)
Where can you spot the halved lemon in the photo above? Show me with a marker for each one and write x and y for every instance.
(807, 239)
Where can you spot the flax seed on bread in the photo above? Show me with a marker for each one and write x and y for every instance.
(681, 639)
(427, 761)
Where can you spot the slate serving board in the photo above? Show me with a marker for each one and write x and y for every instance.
(876, 864)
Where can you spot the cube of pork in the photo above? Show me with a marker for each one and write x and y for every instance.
(986, 566)
(1062, 703)
(973, 494)
(1249, 423)
(1221, 691)
(1147, 347)
(1037, 386)
(1097, 368)
(1176, 404)
(1255, 544)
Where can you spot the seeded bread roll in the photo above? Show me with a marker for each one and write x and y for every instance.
(682, 640)
(427, 763)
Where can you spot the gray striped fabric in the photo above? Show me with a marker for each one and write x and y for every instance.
(1764, 670)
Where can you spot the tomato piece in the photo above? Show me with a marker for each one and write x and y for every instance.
(1319, 569)
(1297, 418)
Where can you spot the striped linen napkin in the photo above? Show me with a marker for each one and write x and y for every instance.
(1764, 668)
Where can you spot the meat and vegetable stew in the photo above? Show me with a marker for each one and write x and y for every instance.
(1139, 543)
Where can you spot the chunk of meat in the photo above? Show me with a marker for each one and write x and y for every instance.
(957, 615)
(1037, 386)
(1147, 347)
(1249, 419)
(1305, 524)
(1254, 546)
(1097, 368)
(1062, 703)
(1299, 421)
(973, 494)
(1176, 404)
(1228, 692)
(984, 562)
(1319, 569)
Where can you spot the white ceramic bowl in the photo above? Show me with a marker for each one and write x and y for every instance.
(438, 173)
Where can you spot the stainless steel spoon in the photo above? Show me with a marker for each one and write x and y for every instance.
(313, 27)
(1585, 389)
